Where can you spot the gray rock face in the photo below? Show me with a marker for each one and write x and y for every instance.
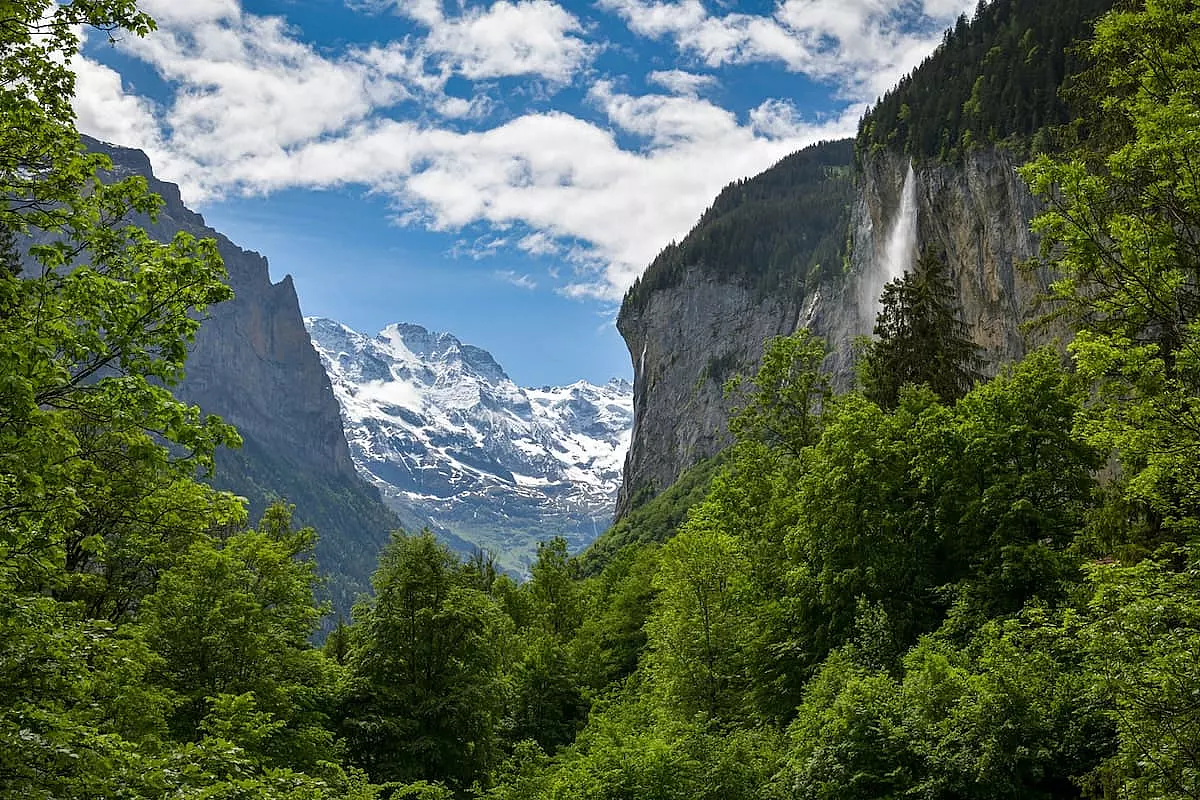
(977, 214)
(252, 362)
(685, 343)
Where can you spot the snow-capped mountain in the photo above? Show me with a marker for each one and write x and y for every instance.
(446, 434)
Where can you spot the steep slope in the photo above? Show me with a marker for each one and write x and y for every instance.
(700, 313)
(703, 308)
(444, 433)
(253, 364)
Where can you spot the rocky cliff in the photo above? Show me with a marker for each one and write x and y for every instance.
(748, 271)
(686, 337)
(253, 364)
(685, 343)
(990, 89)
(976, 213)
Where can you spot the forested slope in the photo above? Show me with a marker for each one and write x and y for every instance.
(930, 586)
(995, 78)
(778, 232)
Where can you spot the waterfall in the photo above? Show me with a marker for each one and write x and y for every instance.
(901, 251)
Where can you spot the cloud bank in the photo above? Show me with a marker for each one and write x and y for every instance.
(602, 185)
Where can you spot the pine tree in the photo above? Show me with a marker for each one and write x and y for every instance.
(920, 339)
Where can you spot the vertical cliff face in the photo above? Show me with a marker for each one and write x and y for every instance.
(253, 364)
(686, 338)
(685, 343)
(976, 214)
(701, 312)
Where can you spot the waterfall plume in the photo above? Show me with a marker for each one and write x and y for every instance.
(901, 250)
(900, 253)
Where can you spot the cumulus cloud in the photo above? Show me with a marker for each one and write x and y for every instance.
(107, 112)
(860, 45)
(255, 109)
(528, 37)
(678, 81)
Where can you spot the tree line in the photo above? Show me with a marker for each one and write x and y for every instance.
(932, 586)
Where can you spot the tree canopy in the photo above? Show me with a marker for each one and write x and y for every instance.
(936, 586)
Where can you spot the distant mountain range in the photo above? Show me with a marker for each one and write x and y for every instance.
(446, 435)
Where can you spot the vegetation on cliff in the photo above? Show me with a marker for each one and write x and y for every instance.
(777, 233)
(995, 78)
(942, 597)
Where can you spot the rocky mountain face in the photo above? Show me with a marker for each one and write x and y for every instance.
(680, 410)
(252, 364)
(976, 213)
(931, 169)
(445, 434)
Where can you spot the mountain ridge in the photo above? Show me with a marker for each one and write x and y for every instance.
(442, 430)
(252, 364)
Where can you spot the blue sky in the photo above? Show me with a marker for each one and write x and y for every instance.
(499, 169)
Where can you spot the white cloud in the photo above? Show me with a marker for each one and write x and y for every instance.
(679, 81)
(173, 12)
(540, 244)
(859, 45)
(776, 118)
(256, 110)
(665, 120)
(106, 112)
(516, 279)
(526, 37)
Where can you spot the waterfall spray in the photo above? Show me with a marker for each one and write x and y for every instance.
(901, 252)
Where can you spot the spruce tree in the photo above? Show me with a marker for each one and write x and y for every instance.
(920, 338)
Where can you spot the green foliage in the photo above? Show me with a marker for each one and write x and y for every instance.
(627, 754)
(1121, 229)
(234, 618)
(697, 633)
(1142, 639)
(921, 339)
(1010, 714)
(651, 519)
(917, 593)
(779, 233)
(150, 647)
(612, 637)
(547, 704)
(862, 523)
(93, 329)
(73, 704)
(554, 589)
(353, 523)
(781, 404)
(994, 78)
(425, 687)
(1014, 486)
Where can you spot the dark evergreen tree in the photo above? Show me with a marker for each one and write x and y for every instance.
(994, 78)
(426, 689)
(920, 339)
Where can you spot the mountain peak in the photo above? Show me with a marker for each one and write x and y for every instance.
(443, 431)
